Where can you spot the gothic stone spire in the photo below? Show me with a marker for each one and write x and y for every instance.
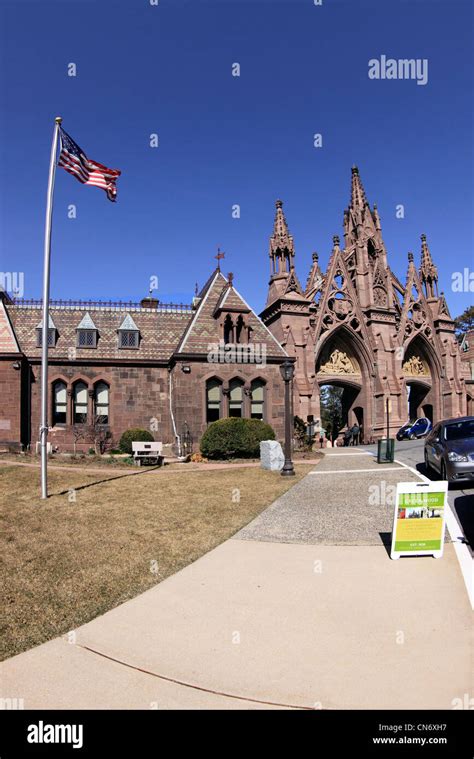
(428, 271)
(358, 196)
(282, 249)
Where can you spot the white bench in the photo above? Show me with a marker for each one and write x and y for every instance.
(150, 453)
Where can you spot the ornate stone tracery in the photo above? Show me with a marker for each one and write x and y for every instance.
(368, 317)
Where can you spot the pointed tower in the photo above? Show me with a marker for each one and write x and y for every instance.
(366, 256)
(358, 220)
(428, 271)
(287, 312)
(282, 256)
(315, 278)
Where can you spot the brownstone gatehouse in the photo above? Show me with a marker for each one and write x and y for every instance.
(164, 367)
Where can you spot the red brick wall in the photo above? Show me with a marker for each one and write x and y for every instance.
(10, 403)
(189, 393)
(137, 397)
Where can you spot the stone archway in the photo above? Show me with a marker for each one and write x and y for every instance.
(342, 362)
(422, 381)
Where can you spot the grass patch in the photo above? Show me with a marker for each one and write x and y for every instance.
(66, 561)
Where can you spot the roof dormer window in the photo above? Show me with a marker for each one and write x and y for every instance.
(86, 333)
(52, 333)
(129, 334)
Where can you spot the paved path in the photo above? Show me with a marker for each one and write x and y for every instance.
(296, 611)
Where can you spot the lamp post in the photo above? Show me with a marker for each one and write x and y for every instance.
(287, 371)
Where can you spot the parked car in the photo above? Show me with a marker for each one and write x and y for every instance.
(449, 449)
(415, 428)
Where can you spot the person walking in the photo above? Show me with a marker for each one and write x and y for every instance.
(355, 430)
(347, 437)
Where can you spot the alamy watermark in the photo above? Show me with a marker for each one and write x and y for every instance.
(236, 353)
(401, 68)
(13, 282)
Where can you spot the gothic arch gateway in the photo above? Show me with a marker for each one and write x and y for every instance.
(358, 327)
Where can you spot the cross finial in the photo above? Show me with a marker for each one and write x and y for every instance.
(219, 257)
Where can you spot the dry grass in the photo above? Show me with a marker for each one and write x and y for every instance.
(65, 561)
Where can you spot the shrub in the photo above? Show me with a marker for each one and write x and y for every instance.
(235, 437)
(136, 436)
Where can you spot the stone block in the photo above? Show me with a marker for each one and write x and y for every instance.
(271, 455)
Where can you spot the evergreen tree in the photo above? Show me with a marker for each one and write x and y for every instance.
(331, 410)
(464, 322)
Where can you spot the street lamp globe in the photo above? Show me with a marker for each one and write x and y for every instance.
(287, 370)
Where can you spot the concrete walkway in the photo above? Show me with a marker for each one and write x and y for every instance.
(303, 608)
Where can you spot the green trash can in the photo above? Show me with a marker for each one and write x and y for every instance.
(386, 451)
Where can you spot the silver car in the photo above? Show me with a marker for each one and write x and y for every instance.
(449, 449)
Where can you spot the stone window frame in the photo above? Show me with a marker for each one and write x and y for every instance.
(52, 337)
(81, 332)
(70, 383)
(264, 384)
(220, 382)
(74, 385)
(129, 332)
(96, 384)
(237, 382)
(58, 381)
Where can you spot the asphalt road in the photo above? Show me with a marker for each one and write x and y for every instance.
(460, 496)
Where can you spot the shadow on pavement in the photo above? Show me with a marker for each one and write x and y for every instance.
(464, 508)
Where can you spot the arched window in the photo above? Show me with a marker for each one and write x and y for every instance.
(257, 395)
(213, 400)
(228, 329)
(59, 402)
(101, 403)
(236, 396)
(80, 403)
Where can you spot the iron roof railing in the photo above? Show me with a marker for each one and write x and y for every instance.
(101, 305)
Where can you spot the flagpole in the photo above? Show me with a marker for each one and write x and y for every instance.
(44, 332)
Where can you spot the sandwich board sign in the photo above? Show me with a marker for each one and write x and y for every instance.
(420, 519)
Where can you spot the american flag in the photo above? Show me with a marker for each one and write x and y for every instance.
(74, 160)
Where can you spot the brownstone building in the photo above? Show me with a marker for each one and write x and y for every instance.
(168, 368)
(165, 368)
(358, 327)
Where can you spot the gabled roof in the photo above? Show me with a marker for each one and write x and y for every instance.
(8, 342)
(128, 324)
(229, 301)
(86, 322)
(204, 328)
(51, 324)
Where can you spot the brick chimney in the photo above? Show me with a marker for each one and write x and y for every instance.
(149, 302)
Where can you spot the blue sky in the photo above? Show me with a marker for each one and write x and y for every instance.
(225, 140)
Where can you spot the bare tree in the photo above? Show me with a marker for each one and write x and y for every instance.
(78, 433)
(99, 434)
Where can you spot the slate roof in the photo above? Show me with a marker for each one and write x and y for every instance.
(203, 329)
(128, 324)
(86, 322)
(51, 324)
(8, 343)
(160, 331)
(164, 330)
